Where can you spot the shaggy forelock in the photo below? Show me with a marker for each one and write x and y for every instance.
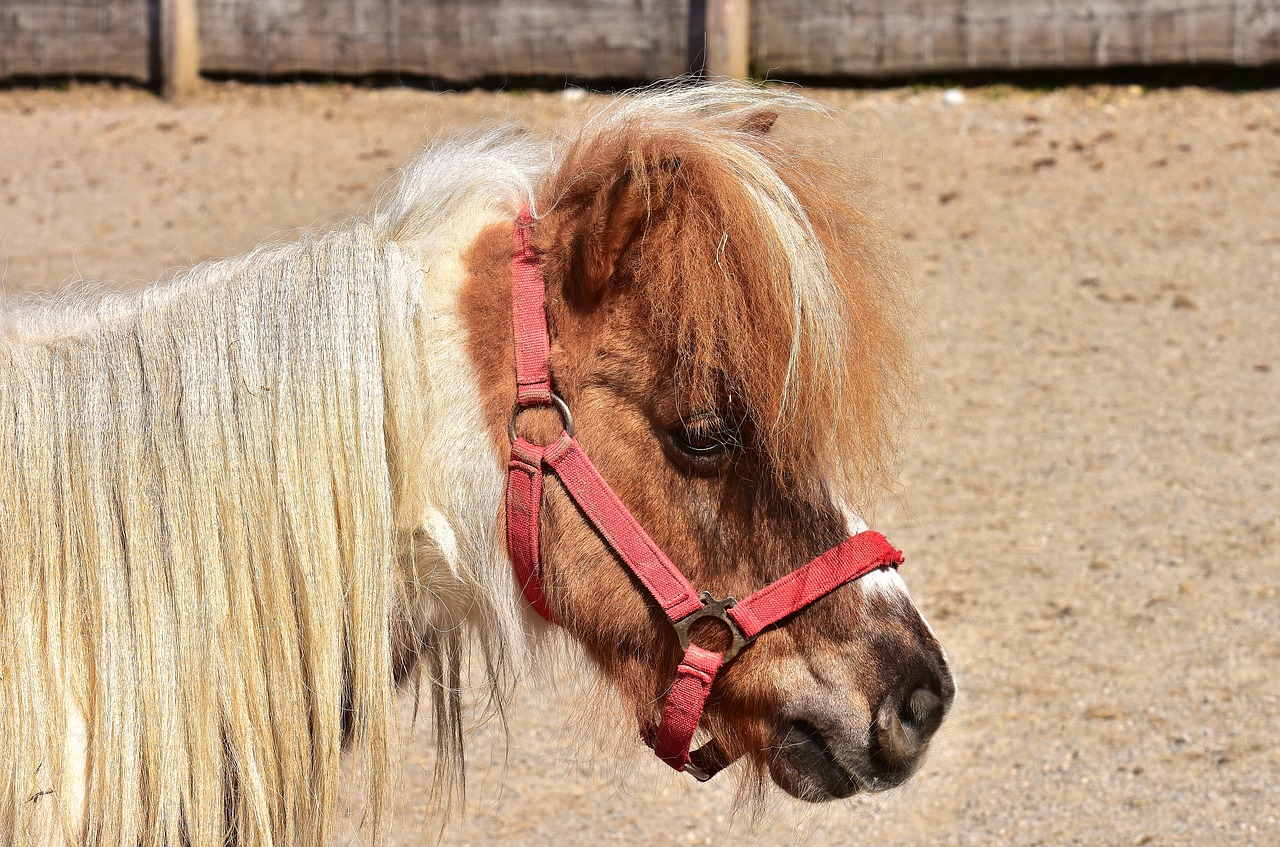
(777, 293)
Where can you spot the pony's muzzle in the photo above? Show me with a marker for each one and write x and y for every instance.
(824, 752)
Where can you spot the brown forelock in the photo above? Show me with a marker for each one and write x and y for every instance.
(685, 231)
(661, 303)
(877, 381)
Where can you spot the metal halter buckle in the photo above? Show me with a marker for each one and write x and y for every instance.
(696, 772)
(566, 417)
(713, 608)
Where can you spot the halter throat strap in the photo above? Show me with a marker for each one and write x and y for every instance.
(662, 580)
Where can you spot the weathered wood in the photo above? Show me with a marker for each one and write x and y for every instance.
(179, 60)
(450, 39)
(728, 38)
(845, 37)
(57, 38)
(465, 40)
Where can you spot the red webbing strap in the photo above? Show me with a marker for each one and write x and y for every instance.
(529, 311)
(524, 507)
(853, 558)
(533, 388)
(685, 702)
(664, 581)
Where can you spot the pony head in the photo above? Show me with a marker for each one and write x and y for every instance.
(726, 327)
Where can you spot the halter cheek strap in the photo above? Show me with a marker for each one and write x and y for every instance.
(666, 585)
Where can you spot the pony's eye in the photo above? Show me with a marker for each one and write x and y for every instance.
(703, 437)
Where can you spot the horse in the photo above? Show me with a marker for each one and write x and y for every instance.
(599, 385)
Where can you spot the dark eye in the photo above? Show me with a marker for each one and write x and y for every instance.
(703, 437)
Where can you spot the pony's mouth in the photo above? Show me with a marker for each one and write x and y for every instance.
(806, 768)
(817, 766)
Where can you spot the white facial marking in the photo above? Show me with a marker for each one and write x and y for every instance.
(853, 521)
(887, 584)
(884, 583)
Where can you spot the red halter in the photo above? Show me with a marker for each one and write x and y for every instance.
(668, 587)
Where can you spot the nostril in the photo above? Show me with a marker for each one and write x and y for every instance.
(923, 712)
(904, 726)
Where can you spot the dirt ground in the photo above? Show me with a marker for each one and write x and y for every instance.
(1091, 504)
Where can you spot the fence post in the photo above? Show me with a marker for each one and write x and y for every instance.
(179, 48)
(728, 38)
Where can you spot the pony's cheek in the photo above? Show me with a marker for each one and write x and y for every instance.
(753, 687)
(590, 593)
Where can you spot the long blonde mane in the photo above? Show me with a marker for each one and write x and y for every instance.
(233, 512)
(198, 549)
(213, 495)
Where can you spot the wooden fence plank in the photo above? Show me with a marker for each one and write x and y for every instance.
(450, 39)
(729, 38)
(850, 38)
(465, 40)
(58, 38)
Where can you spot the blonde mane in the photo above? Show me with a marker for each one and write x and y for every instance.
(232, 507)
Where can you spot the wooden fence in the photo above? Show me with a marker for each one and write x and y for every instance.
(832, 38)
(466, 40)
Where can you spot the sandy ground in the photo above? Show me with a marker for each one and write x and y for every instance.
(1091, 504)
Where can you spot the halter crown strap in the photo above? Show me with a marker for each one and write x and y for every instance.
(533, 388)
(660, 577)
(528, 300)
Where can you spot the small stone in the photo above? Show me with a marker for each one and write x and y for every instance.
(1103, 713)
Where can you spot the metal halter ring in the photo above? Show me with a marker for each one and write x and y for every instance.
(713, 608)
(566, 417)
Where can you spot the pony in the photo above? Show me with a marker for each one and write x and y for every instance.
(243, 507)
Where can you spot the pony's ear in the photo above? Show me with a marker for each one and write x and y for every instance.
(613, 220)
(758, 123)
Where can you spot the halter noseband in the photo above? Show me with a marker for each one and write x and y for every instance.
(664, 582)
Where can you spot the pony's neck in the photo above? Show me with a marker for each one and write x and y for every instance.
(457, 570)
